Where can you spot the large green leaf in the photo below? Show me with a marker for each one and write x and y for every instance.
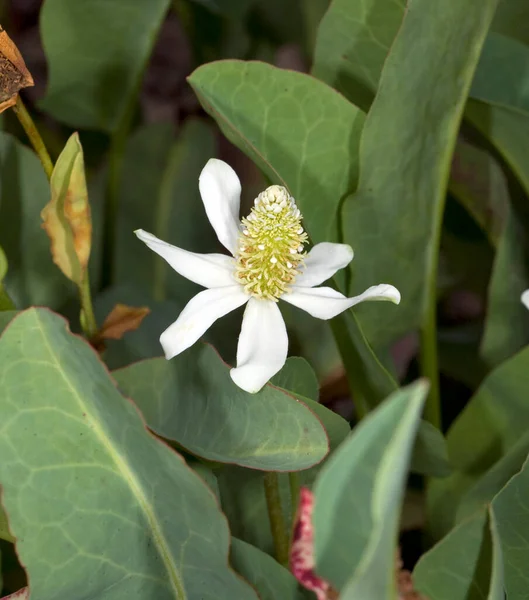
(269, 578)
(502, 75)
(118, 513)
(491, 423)
(352, 44)
(508, 131)
(394, 219)
(97, 52)
(512, 517)
(32, 276)
(242, 491)
(298, 130)
(465, 565)
(193, 401)
(358, 497)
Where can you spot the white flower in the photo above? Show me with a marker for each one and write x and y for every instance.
(267, 263)
(525, 298)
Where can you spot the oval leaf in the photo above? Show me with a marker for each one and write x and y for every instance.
(118, 512)
(299, 131)
(269, 430)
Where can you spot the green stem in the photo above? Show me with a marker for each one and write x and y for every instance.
(34, 136)
(277, 519)
(88, 319)
(5, 301)
(429, 360)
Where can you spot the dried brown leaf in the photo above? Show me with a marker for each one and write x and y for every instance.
(122, 319)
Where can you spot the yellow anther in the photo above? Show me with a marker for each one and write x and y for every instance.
(270, 250)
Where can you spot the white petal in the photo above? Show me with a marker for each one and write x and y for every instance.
(209, 270)
(220, 189)
(325, 303)
(198, 316)
(322, 262)
(525, 298)
(263, 345)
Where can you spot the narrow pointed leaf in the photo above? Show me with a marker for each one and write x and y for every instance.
(490, 425)
(119, 513)
(464, 565)
(502, 76)
(352, 45)
(512, 524)
(358, 499)
(66, 218)
(508, 131)
(269, 430)
(405, 157)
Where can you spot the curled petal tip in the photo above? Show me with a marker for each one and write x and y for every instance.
(525, 298)
(393, 294)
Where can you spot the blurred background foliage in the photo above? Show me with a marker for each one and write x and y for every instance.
(119, 77)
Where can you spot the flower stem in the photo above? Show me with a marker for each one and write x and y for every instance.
(277, 519)
(34, 136)
(429, 361)
(88, 321)
(293, 480)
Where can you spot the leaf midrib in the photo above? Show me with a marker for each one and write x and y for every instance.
(127, 474)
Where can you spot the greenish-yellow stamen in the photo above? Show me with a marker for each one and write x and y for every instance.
(270, 248)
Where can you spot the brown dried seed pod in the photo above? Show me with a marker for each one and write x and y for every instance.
(13, 72)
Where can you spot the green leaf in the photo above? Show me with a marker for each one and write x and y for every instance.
(242, 490)
(299, 131)
(78, 463)
(502, 75)
(5, 301)
(298, 378)
(6, 317)
(96, 54)
(430, 454)
(465, 565)
(269, 430)
(358, 497)
(512, 19)
(66, 218)
(352, 44)
(268, 577)
(479, 184)
(491, 423)
(508, 131)
(164, 169)
(494, 479)
(32, 277)
(394, 218)
(512, 519)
